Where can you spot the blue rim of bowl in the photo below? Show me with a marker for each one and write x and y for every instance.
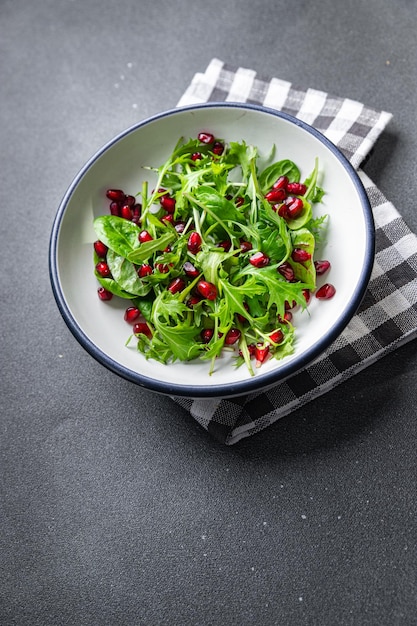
(263, 380)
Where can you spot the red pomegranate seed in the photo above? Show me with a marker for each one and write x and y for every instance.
(307, 295)
(287, 317)
(104, 294)
(116, 194)
(144, 270)
(179, 227)
(130, 200)
(251, 349)
(205, 137)
(276, 195)
(194, 242)
(190, 270)
(300, 256)
(232, 336)
(114, 208)
(261, 353)
(239, 201)
(277, 336)
(206, 335)
(325, 292)
(281, 183)
(281, 209)
(168, 218)
(294, 208)
(168, 203)
(259, 259)
(298, 189)
(242, 319)
(103, 269)
(245, 246)
(176, 285)
(207, 290)
(100, 248)
(162, 267)
(192, 301)
(196, 156)
(131, 314)
(321, 267)
(126, 212)
(289, 305)
(287, 271)
(142, 328)
(218, 148)
(225, 245)
(144, 236)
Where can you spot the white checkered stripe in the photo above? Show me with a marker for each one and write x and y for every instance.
(387, 317)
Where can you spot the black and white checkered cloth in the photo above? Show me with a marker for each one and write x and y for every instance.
(387, 316)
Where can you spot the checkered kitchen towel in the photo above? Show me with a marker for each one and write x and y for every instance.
(387, 316)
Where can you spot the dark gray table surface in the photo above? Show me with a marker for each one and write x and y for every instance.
(116, 507)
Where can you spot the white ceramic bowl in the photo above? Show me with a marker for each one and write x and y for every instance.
(100, 328)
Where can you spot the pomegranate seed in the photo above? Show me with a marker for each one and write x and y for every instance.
(144, 236)
(259, 259)
(281, 209)
(287, 317)
(325, 292)
(190, 270)
(194, 242)
(218, 148)
(300, 256)
(245, 246)
(288, 306)
(206, 335)
(179, 227)
(239, 201)
(103, 269)
(298, 189)
(130, 200)
(192, 301)
(142, 328)
(207, 290)
(126, 212)
(225, 245)
(307, 295)
(281, 183)
(295, 207)
(321, 267)
(205, 137)
(196, 156)
(277, 336)
(232, 336)
(104, 294)
(114, 208)
(251, 349)
(168, 203)
(144, 270)
(131, 314)
(168, 218)
(100, 248)
(261, 353)
(176, 285)
(286, 270)
(276, 195)
(162, 267)
(116, 194)
(242, 319)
